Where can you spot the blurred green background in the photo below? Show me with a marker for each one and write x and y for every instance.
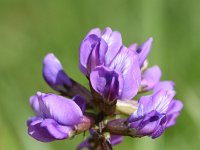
(31, 28)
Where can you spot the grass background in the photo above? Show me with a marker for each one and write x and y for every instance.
(30, 29)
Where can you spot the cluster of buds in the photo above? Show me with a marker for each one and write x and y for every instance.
(114, 106)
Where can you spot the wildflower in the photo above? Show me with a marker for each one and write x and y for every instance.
(56, 78)
(56, 117)
(142, 51)
(150, 78)
(154, 114)
(115, 75)
(111, 67)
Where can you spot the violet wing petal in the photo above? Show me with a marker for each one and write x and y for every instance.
(159, 102)
(37, 132)
(148, 125)
(47, 130)
(56, 130)
(85, 51)
(150, 78)
(173, 112)
(97, 55)
(106, 82)
(61, 109)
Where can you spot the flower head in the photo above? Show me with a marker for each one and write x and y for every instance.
(104, 58)
(154, 114)
(56, 116)
(116, 75)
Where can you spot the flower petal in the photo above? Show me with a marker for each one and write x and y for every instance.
(37, 132)
(116, 139)
(106, 82)
(133, 47)
(92, 53)
(173, 112)
(159, 102)
(114, 42)
(61, 109)
(126, 62)
(95, 31)
(54, 74)
(143, 51)
(165, 85)
(47, 130)
(35, 105)
(56, 130)
(150, 78)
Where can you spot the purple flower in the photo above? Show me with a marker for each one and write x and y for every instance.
(56, 116)
(121, 78)
(165, 85)
(155, 113)
(99, 49)
(115, 139)
(113, 70)
(107, 82)
(54, 74)
(143, 50)
(56, 78)
(150, 78)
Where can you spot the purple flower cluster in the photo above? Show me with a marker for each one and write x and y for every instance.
(116, 75)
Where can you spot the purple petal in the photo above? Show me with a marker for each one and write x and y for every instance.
(115, 139)
(126, 62)
(53, 73)
(97, 55)
(106, 82)
(165, 85)
(114, 42)
(80, 101)
(159, 101)
(158, 132)
(92, 53)
(35, 105)
(148, 125)
(133, 47)
(47, 130)
(173, 112)
(95, 31)
(38, 133)
(144, 50)
(56, 130)
(86, 48)
(61, 109)
(150, 78)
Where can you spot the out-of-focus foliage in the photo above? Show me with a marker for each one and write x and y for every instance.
(31, 28)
